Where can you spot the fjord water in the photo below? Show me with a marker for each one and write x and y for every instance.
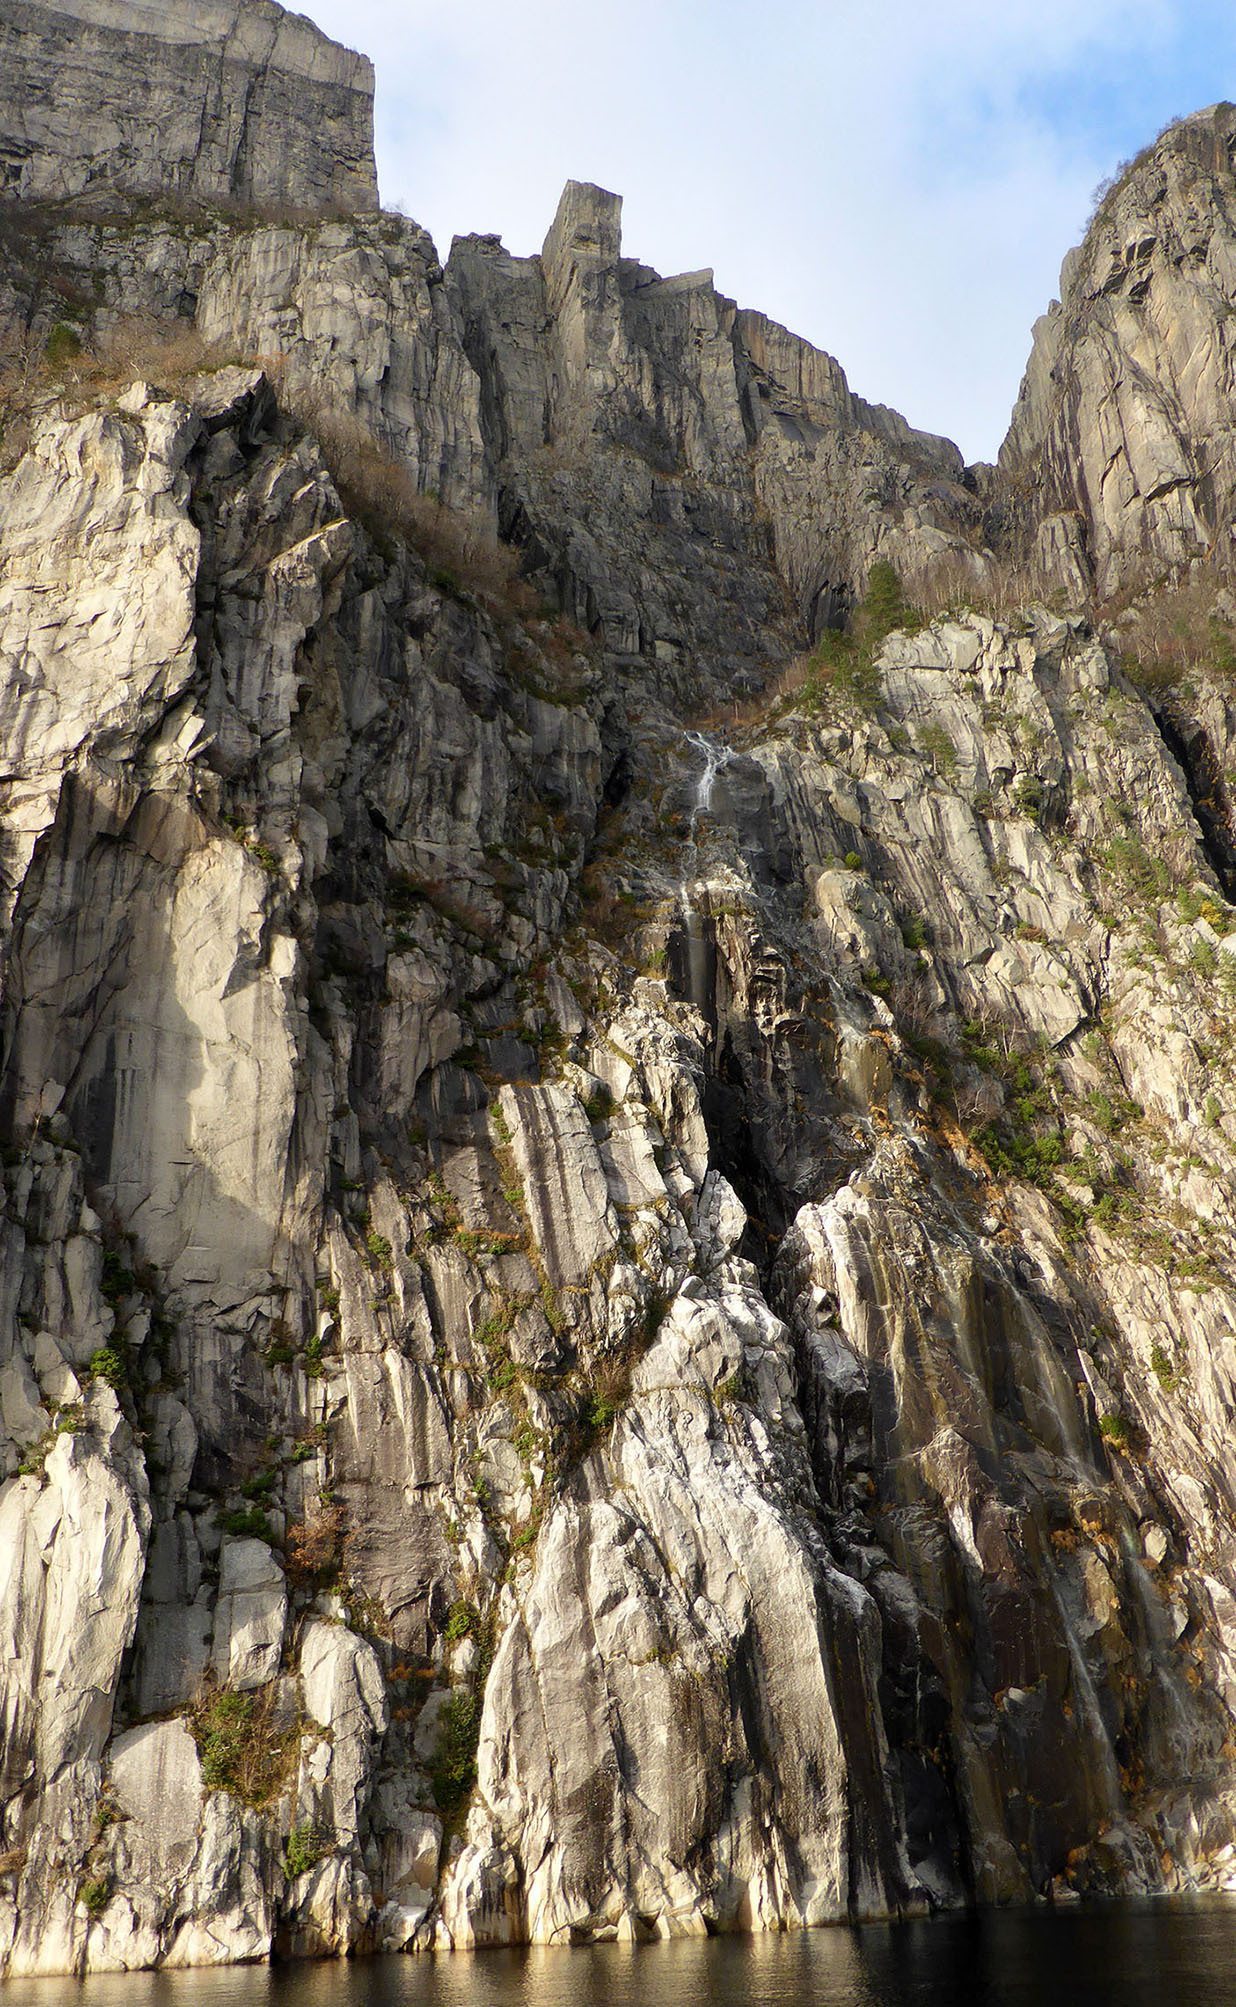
(1130, 1954)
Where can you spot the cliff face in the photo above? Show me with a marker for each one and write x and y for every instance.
(208, 100)
(610, 1324)
(1123, 433)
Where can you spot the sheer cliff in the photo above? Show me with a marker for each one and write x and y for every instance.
(1122, 435)
(617, 1313)
(219, 100)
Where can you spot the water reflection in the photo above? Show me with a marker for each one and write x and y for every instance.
(1178, 1954)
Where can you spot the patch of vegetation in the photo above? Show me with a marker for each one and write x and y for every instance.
(379, 1250)
(303, 1849)
(939, 748)
(1115, 1429)
(94, 1894)
(64, 345)
(108, 1364)
(1029, 795)
(117, 1279)
(600, 1104)
(244, 1750)
(1163, 1370)
(313, 1550)
(248, 1523)
(843, 663)
(1113, 1112)
(461, 1621)
(453, 1772)
(1128, 860)
(1203, 959)
(600, 1412)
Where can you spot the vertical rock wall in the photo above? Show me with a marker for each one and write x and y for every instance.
(209, 100)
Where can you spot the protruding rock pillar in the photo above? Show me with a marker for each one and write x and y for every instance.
(583, 293)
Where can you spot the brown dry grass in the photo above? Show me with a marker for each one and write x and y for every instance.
(313, 1551)
(1001, 588)
(167, 354)
(459, 546)
(1176, 633)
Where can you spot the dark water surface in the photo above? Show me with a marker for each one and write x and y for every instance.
(1162, 1954)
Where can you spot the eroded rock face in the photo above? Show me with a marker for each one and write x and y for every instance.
(604, 1331)
(231, 100)
(1122, 435)
(646, 437)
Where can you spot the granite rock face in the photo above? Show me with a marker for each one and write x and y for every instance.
(681, 465)
(611, 1325)
(208, 100)
(1122, 438)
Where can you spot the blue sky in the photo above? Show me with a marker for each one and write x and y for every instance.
(899, 183)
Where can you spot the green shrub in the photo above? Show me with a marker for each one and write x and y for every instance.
(843, 663)
(1128, 859)
(303, 1849)
(1161, 1367)
(600, 1413)
(453, 1773)
(108, 1364)
(460, 1622)
(117, 1280)
(64, 345)
(939, 748)
(94, 1895)
(242, 1748)
(885, 608)
(378, 1248)
(1115, 1429)
(248, 1523)
(1203, 959)
(852, 861)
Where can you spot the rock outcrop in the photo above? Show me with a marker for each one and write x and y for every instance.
(611, 1324)
(1122, 441)
(231, 101)
(682, 465)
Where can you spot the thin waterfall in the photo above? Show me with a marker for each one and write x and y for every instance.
(698, 983)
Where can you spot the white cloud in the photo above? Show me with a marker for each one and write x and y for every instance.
(877, 177)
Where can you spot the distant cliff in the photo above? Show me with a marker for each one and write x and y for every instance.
(1124, 437)
(209, 100)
